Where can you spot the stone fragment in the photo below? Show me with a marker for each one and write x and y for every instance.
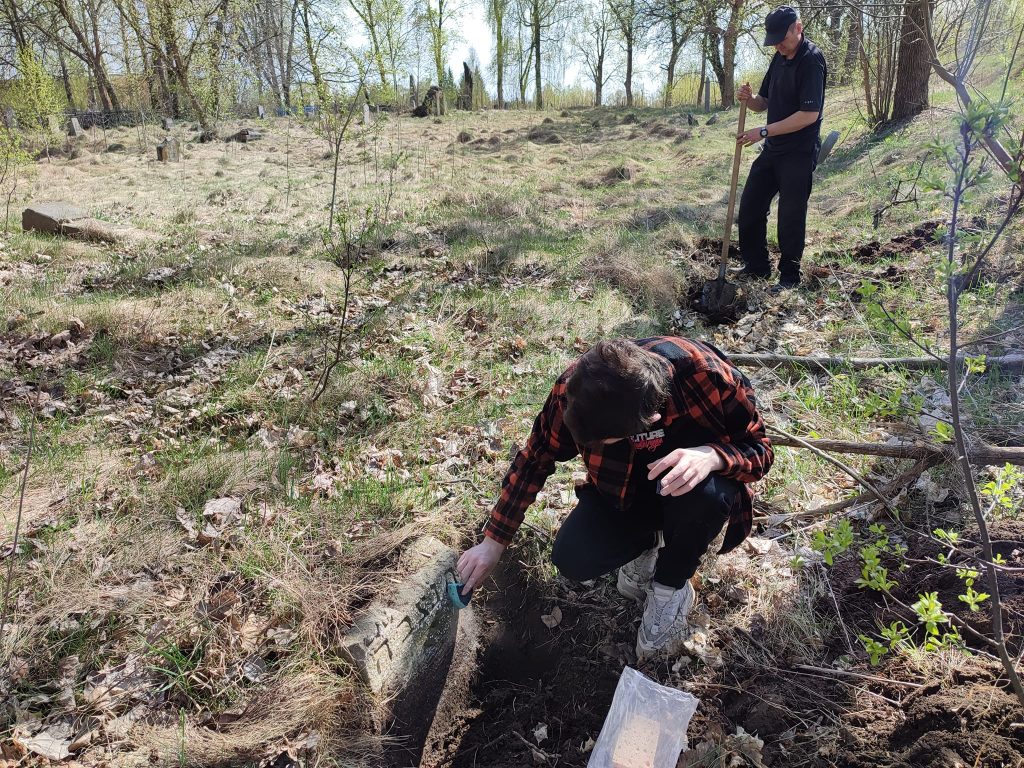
(261, 112)
(168, 150)
(827, 146)
(367, 118)
(167, 123)
(246, 135)
(49, 217)
(713, 119)
(75, 128)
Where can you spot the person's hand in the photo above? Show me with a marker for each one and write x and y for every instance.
(744, 93)
(747, 138)
(686, 469)
(477, 562)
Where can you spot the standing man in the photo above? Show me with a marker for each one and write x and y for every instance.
(670, 435)
(793, 92)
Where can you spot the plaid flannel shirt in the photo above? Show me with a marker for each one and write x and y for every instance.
(710, 403)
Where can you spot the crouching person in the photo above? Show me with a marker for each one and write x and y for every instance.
(670, 435)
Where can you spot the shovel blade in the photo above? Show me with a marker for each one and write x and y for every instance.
(717, 297)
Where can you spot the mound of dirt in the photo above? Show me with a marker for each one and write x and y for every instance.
(540, 135)
(624, 172)
(917, 239)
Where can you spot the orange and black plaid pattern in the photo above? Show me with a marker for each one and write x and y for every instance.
(710, 403)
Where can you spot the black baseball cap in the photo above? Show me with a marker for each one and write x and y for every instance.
(777, 24)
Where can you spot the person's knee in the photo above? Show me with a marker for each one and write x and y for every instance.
(569, 560)
(716, 495)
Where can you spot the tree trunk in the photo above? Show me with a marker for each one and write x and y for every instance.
(854, 43)
(598, 80)
(539, 86)
(499, 58)
(629, 70)
(911, 95)
(65, 78)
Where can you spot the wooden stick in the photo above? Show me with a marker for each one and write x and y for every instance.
(981, 454)
(858, 675)
(845, 467)
(1004, 363)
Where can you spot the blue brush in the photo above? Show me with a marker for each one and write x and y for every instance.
(458, 599)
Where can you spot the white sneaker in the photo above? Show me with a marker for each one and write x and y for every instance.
(635, 576)
(665, 625)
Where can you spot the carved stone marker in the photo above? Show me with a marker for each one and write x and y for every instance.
(367, 118)
(168, 150)
(75, 128)
(167, 123)
(402, 646)
(260, 112)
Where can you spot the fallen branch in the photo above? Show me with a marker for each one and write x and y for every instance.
(981, 454)
(892, 487)
(1006, 363)
(799, 441)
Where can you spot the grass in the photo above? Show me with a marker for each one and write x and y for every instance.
(507, 262)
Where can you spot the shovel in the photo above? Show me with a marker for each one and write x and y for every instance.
(718, 296)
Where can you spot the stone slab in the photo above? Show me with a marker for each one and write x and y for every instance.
(403, 646)
(261, 112)
(167, 123)
(75, 128)
(49, 217)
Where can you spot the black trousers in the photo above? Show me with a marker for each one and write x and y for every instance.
(597, 538)
(788, 176)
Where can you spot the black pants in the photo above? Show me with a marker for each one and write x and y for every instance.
(596, 538)
(788, 176)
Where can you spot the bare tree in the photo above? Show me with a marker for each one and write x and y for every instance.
(910, 95)
(627, 15)
(591, 39)
(497, 12)
(671, 24)
(539, 16)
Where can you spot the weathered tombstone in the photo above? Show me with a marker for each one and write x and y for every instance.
(691, 120)
(59, 218)
(713, 119)
(261, 113)
(367, 119)
(827, 146)
(246, 135)
(402, 646)
(49, 217)
(207, 136)
(168, 150)
(10, 119)
(167, 123)
(75, 128)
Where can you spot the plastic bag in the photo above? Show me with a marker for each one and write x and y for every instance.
(646, 725)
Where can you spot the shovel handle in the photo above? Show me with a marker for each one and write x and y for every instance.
(727, 235)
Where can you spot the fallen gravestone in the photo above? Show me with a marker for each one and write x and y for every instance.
(402, 646)
(58, 218)
(713, 119)
(261, 113)
(246, 135)
(167, 123)
(168, 150)
(75, 128)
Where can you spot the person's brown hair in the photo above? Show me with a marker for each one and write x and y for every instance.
(614, 391)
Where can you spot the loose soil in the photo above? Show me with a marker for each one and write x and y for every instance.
(563, 678)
